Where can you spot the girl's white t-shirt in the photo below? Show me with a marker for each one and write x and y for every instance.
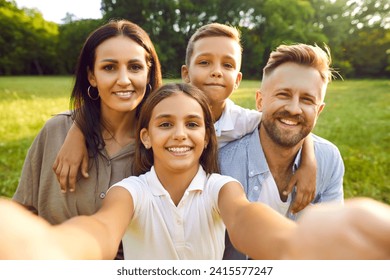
(161, 230)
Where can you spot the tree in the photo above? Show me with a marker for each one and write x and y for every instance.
(71, 39)
(27, 41)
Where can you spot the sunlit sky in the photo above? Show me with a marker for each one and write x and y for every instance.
(55, 10)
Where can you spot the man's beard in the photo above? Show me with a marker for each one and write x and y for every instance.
(276, 134)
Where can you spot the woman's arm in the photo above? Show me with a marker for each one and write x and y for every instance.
(72, 156)
(26, 236)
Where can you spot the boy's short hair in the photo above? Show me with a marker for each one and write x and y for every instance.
(302, 54)
(212, 30)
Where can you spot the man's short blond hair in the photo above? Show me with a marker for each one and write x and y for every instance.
(302, 54)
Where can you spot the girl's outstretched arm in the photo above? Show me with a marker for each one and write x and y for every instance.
(360, 229)
(26, 236)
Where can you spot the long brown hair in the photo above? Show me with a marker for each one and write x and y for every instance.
(144, 157)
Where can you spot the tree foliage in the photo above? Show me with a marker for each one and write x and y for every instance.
(357, 31)
(27, 42)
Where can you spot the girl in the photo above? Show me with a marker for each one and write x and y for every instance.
(178, 208)
(117, 68)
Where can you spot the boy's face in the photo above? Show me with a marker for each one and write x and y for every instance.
(214, 68)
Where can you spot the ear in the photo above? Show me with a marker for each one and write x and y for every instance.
(238, 80)
(145, 139)
(322, 106)
(184, 74)
(91, 78)
(259, 101)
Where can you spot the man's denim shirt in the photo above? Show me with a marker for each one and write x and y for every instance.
(245, 161)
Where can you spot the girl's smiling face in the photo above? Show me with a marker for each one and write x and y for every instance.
(176, 133)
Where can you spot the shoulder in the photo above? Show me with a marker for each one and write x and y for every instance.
(216, 182)
(218, 179)
(132, 182)
(58, 121)
(327, 155)
(324, 146)
(241, 112)
(238, 144)
(54, 131)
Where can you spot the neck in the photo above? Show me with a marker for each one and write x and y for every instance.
(175, 182)
(217, 109)
(280, 160)
(118, 130)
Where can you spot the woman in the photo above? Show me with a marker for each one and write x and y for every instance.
(117, 68)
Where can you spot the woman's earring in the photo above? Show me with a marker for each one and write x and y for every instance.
(89, 94)
(150, 88)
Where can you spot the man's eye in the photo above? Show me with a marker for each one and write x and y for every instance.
(308, 100)
(282, 94)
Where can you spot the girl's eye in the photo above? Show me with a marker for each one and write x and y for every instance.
(164, 125)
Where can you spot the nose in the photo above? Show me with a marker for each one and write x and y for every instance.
(293, 106)
(216, 72)
(123, 77)
(180, 132)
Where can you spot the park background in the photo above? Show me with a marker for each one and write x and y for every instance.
(37, 59)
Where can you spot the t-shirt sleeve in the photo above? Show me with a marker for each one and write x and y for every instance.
(134, 186)
(216, 182)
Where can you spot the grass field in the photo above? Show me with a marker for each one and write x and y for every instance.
(356, 119)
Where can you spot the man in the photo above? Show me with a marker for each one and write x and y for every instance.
(291, 98)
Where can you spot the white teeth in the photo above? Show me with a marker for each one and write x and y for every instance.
(123, 93)
(179, 149)
(289, 122)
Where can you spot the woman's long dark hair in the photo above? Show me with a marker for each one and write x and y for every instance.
(86, 111)
(144, 157)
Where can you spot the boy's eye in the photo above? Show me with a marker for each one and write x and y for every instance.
(135, 67)
(203, 62)
(228, 65)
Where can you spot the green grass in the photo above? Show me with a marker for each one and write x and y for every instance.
(356, 119)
